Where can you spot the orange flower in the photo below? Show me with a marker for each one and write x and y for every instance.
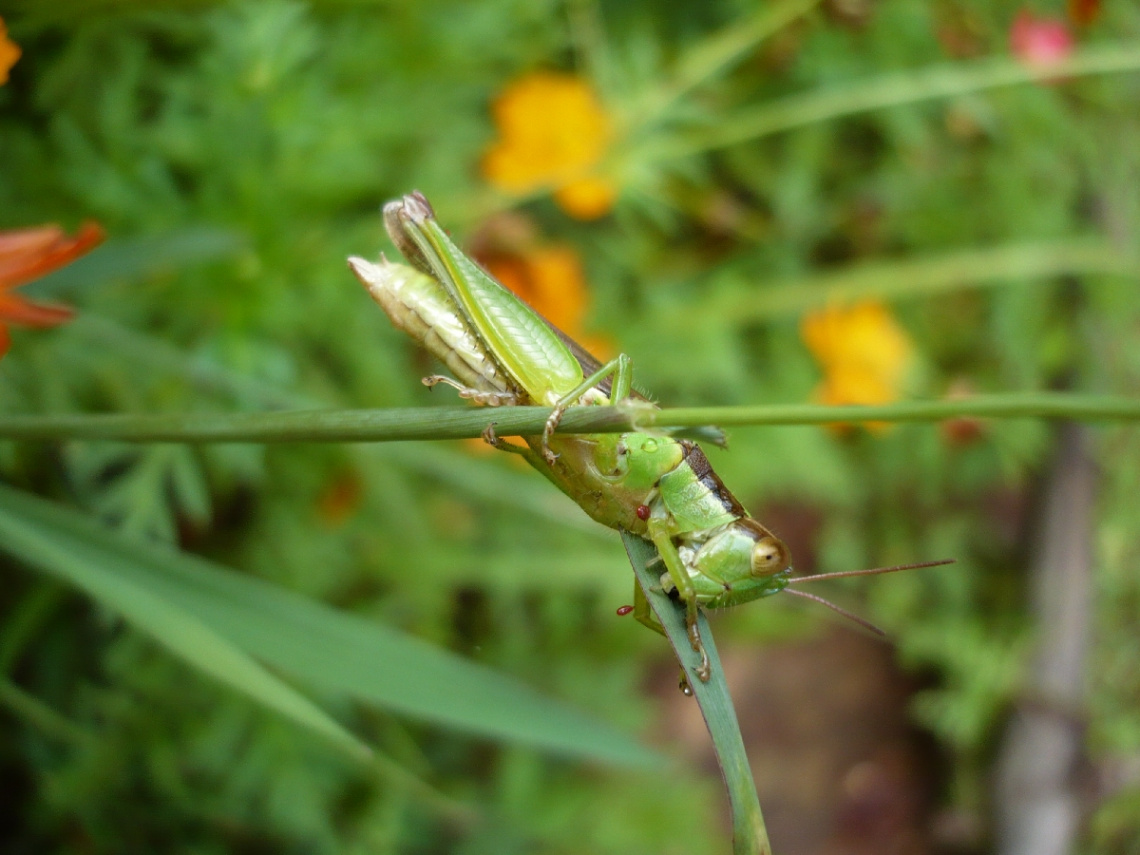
(553, 132)
(28, 254)
(863, 351)
(9, 52)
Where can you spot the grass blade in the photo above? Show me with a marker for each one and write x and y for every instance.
(749, 836)
(906, 278)
(327, 649)
(96, 572)
(909, 86)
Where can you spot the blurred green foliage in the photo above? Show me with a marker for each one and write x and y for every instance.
(237, 153)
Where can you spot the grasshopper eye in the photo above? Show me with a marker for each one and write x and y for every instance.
(769, 556)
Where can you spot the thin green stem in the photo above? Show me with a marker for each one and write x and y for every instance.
(892, 90)
(922, 277)
(749, 835)
(1040, 405)
(713, 55)
(422, 423)
(699, 64)
(41, 716)
(895, 89)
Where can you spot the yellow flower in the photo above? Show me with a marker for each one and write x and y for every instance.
(864, 353)
(9, 53)
(552, 132)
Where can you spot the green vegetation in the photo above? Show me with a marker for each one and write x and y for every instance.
(411, 646)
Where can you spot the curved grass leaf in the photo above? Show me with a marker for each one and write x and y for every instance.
(892, 89)
(98, 573)
(329, 650)
(907, 278)
(749, 835)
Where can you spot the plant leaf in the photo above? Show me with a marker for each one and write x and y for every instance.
(97, 571)
(327, 649)
(749, 835)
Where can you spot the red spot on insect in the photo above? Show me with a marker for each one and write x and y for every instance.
(624, 610)
(643, 512)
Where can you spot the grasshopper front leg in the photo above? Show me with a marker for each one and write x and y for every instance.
(620, 369)
(679, 576)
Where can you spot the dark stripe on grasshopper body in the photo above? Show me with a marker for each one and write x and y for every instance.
(695, 458)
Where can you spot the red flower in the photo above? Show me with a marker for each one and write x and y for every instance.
(28, 254)
(1039, 41)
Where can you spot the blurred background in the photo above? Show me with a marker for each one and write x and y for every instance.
(846, 201)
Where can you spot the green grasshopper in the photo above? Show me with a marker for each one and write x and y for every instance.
(502, 351)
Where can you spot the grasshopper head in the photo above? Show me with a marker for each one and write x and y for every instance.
(742, 561)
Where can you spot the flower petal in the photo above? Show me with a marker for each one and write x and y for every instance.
(29, 313)
(587, 199)
(1039, 42)
(864, 354)
(9, 53)
(28, 254)
(553, 131)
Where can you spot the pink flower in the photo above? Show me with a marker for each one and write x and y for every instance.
(1039, 42)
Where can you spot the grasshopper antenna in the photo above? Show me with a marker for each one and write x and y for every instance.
(866, 624)
(874, 571)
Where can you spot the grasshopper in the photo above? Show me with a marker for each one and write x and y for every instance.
(502, 351)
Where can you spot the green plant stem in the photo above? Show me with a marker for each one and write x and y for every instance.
(908, 278)
(420, 423)
(713, 55)
(41, 716)
(892, 90)
(749, 836)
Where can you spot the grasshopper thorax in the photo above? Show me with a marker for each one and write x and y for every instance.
(639, 460)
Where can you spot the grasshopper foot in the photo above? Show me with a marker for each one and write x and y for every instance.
(497, 442)
(479, 396)
(704, 670)
(548, 431)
